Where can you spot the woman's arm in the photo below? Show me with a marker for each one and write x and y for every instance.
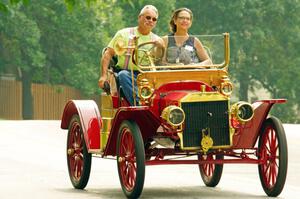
(201, 52)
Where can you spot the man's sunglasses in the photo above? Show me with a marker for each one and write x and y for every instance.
(149, 18)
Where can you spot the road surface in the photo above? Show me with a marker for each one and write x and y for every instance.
(33, 165)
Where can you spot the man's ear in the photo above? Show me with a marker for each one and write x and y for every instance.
(139, 18)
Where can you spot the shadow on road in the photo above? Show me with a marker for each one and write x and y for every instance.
(163, 192)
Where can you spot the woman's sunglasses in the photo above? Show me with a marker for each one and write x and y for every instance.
(149, 18)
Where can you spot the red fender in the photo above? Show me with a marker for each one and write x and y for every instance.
(90, 120)
(144, 118)
(246, 137)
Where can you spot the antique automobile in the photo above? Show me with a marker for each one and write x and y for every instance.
(185, 115)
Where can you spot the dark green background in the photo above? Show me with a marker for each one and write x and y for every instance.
(60, 42)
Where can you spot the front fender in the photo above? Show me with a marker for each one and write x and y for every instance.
(145, 119)
(90, 120)
(246, 137)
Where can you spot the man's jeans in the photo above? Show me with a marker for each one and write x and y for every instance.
(126, 83)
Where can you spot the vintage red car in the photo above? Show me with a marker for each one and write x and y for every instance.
(184, 111)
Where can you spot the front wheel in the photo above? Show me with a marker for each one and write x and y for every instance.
(272, 149)
(131, 159)
(211, 173)
(78, 158)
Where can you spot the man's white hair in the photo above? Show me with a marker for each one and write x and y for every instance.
(148, 7)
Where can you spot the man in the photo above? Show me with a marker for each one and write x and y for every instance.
(147, 20)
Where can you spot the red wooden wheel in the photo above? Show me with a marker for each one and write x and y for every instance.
(78, 159)
(131, 159)
(273, 152)
(210, 173)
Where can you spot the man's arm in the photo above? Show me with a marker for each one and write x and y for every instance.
(106, 57)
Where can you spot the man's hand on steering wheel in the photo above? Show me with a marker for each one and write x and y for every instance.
(150, 54)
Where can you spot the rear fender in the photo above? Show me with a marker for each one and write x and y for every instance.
(145, 119)
(247, 137)
(90, 120)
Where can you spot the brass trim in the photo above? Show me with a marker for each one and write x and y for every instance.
(105, 131)
(227, 51)
(223, 65)
(166, 113)
(96, 151)
(199, 148)
(225, 81)
(206, 97)
(203, 97)
(223, 86)
(120, 46)
(145, 97)
(132, 73)
(144, 83)
(212, 77)
(234, 111)
(106, 105)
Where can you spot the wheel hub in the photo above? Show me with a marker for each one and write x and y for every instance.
(70, 152)
(121, 159)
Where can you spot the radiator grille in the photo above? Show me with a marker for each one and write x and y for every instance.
(201, 115)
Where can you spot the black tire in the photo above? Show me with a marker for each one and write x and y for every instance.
(211, 173)
(131, 159)
(272, 146)
(78, 159)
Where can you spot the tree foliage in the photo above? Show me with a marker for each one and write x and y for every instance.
(264, 45)
(60, 42)
(44, 42)
(65, 46)
(6, 4)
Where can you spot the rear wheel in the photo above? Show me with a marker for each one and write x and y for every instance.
(78, 159)
(211, 173)
(131, 159)
(272, 148)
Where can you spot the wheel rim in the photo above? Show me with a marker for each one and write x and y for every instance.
(270, 153)
(75, 152)
(128, 164)
(208, 169)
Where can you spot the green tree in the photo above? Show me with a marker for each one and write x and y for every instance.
(6, 4)
(21, 50)
(264, 42)
(52, 45)
(61, 42)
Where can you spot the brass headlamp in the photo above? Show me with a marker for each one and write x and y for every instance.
(145, 89)
(242, 111)
(173, 115)
(226, 86)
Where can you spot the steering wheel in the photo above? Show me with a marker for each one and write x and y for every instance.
(149, 54)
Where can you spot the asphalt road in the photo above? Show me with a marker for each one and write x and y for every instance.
(33, 165)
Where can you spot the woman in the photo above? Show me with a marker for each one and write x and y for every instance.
(181, 48)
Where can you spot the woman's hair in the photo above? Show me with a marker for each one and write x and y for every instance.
(173, 26)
